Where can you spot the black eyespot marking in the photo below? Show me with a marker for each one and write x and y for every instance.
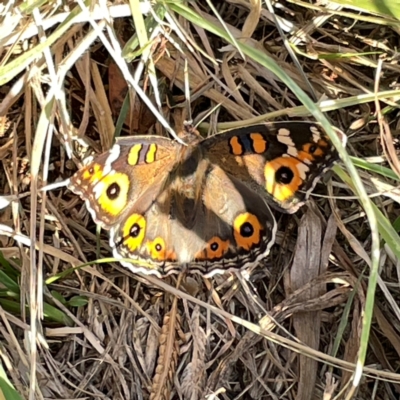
(158, 247)
(284, 175)
(313, 148)
(113, 191)
(135, 230)
(247, 229)
(214, 246)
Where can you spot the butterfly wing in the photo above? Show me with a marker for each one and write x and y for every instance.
(114, 180)
(202, 206)
(201, 219)
(282, 160)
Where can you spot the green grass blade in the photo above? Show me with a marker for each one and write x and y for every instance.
(376, 168)
(385, 229)
(7, 390)
(387, 8)
(9, 283)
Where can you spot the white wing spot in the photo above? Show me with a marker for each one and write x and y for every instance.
(98, 189)
(292, 151)
(303, 170)
(114, 154)
(316, 133)
(284, 137)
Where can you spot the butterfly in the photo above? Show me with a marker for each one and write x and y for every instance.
(203, 206)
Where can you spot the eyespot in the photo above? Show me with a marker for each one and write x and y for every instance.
(158, 250)
(112, 192)
(92, 174)
(312, 151)
(284, 176)
(133, 232)
(247, 230)
(215, 248)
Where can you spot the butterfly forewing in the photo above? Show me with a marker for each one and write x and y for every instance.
(285, 159)
(114, 180)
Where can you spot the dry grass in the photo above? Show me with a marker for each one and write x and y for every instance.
(297, 328)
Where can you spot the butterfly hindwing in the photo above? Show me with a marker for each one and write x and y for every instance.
(192, 227)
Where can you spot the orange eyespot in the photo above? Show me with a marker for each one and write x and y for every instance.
(133, 232)
(247, 230)
(284, 176)
(214, 249)
(113, 192)
(312, 151)
(158, 250)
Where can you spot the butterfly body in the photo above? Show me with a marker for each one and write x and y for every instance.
(202, 206)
